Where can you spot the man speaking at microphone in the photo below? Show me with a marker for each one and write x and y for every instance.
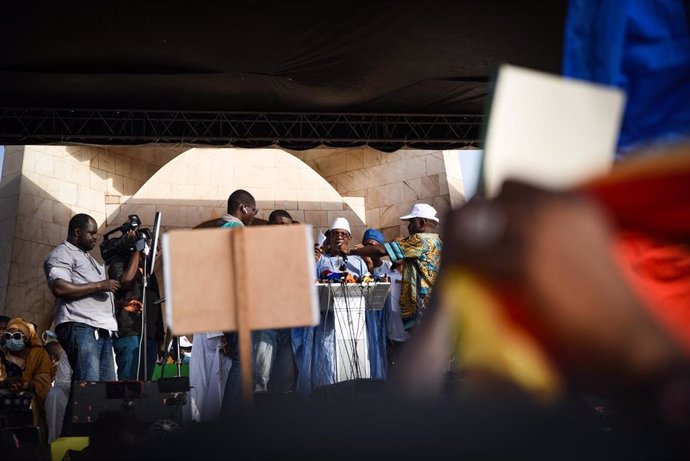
(134, 360)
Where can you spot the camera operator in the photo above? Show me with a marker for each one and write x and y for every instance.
(128, 269)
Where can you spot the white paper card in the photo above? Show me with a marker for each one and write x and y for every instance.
(548, 130)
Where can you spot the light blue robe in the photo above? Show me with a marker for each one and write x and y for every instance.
(314, 347)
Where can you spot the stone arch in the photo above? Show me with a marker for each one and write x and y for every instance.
(193, 187)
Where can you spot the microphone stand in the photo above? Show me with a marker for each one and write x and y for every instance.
(143, 340)
(174, 342)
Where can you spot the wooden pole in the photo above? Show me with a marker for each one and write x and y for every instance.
(244, 333)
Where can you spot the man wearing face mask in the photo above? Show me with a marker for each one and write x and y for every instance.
(186, 349)
(83, 302)
(24, 364)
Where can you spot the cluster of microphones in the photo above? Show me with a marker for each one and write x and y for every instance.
(328, 276)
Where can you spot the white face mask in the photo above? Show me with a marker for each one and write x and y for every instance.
(186, 357)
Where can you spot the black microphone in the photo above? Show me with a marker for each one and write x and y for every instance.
(342, 267)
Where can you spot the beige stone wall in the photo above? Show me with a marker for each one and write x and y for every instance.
(389, 184)
(194, 187)
(43, 186)
(10, 187)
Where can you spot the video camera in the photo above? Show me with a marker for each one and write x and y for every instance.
(121, 245)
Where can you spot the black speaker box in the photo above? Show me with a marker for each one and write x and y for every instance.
(350, 391)
(144, 403)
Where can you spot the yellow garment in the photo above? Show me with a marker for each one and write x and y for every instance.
(36, 366)
(37, 373)
(490, 341)
(421, 256)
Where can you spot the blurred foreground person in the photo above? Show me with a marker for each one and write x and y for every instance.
(549, 293)
(549, 260)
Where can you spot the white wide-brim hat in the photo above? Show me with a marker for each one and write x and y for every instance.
(421, 210)
(342, 224)
(185, 342)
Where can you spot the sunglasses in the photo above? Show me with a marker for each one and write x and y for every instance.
(16, 335)
(254, 209)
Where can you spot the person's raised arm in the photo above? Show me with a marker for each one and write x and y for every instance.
(372, 251)
(125, 274)
(127, 277)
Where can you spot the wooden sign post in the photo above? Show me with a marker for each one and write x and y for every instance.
(240, 280)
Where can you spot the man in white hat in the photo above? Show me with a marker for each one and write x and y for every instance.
(314, 347)
(421, 256)
(333, 261)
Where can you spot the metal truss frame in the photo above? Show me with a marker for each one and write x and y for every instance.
(21, 126)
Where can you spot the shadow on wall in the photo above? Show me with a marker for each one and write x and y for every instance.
(40, 225)
(124, 169)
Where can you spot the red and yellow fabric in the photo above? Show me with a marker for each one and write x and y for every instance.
(648, 200)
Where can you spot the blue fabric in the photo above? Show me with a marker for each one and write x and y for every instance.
(374, 234)
(274, 362)
(232, 395)
(127, 357)
(394, 251)
(355, 265)
(89, 350)
(377, 328)
(314, 349)
(642, 47)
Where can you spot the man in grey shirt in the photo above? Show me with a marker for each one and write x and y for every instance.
(84, 316)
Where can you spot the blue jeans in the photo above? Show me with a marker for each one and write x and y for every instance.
(232, 395)
(127, 357)
(89, 350)
(274, 362)
(281, 368)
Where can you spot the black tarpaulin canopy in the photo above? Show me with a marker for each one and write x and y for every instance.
(236, 61)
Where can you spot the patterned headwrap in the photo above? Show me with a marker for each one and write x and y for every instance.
(374, 234)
